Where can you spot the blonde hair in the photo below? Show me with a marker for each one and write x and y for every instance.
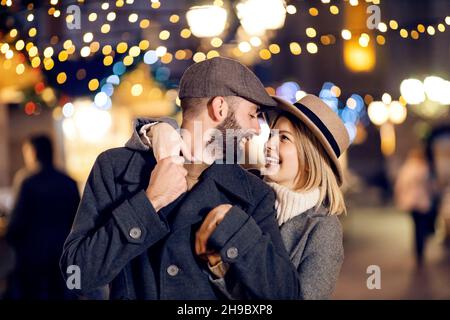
(316, 169)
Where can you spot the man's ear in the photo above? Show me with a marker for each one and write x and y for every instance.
(218, 109)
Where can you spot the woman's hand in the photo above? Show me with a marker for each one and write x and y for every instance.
(167, 142)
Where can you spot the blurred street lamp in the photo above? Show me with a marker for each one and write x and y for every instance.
(428, 98)
(207, 21)
(386, 115)
(258, 16)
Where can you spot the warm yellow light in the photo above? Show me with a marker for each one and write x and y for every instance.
(357, 58)
(20, 68)
(311, 32)
(265, 54)
(312, 48)
(313, 12)
(291, 9)
(164, 35)
(295, 48)
(20, 45)
(382, 27)
(346, 34)
(216, 42)
(160, 51)
(144, 24)
(62, 56)
(48, 52)
(122, 47)
(33, 51)
(88, 37)
(199, 56)
(144, 44)
(85, 51)
(167, 58)
(393, 24)
(93, 84)
(212, 54)
(32, 32)
(274, 48)
(185, 33)
(111, 16)
(13, 33)
(381, 40)
(174, 18)
(48, 64)
(134, 51)
(207, 20)
(108, 60)
(105, 28)
(421, 28)
(180, 54)
(67, 44)
(334, 10)
(244, 46)
(61, 77)
(106, 49)
(403, 33)
(136, 90)
(133, 17)
(128, 61)
(92, 17)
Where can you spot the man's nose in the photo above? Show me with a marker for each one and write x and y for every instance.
(256, 128)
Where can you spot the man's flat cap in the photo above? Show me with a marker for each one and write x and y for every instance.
(223, 77)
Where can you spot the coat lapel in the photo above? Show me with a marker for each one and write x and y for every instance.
(219, 184)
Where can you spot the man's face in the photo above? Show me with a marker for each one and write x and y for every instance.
(238, 127)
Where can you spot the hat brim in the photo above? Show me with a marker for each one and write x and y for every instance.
(291, 109)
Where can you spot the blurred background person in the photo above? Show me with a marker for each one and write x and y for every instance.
(41, 219)
(415, 192)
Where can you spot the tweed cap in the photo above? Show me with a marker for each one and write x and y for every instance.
(223, 77)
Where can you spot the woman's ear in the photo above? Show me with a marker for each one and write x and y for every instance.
(218, 109)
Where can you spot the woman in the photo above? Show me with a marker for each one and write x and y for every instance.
(303, 169)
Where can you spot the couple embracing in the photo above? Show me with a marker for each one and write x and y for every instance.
(173, 215)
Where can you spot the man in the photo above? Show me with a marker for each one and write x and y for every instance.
(137, 221)
(46, 203)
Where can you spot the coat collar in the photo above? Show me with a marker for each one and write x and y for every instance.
(139, 167)
(232, 178)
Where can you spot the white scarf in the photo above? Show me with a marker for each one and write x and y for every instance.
(289, 203)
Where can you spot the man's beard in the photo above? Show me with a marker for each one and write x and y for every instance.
(227, 148)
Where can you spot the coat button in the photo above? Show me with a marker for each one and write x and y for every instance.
(135, 233)
(173, 270)
(232, 252)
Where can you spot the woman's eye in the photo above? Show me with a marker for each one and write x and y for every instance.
(284, 138)
(252, 116)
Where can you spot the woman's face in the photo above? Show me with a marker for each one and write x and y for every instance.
(282, 163)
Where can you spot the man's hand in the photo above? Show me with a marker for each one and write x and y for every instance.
(214, 217)
(167, 182)
(167, 142)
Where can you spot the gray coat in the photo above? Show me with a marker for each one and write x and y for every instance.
(314, 242)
